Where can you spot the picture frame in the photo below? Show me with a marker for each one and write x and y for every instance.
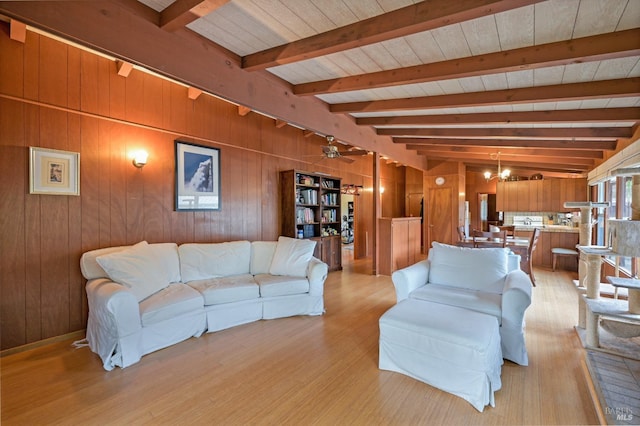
(53, 172)
(197, 177)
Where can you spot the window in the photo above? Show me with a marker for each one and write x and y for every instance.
(625, 203)
(600, 216)
(618, 192)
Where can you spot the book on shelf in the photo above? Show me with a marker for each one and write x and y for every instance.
(330, 199)
(309, 196)
(330, 215)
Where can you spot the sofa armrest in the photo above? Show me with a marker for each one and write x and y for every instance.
(113, 308)
(516, 298)
(407, 279)
(317, 274)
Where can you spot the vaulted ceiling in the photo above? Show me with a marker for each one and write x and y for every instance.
(551, 85)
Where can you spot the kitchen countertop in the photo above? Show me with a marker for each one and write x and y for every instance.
(549, 228)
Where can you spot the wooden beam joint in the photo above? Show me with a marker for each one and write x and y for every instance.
(17, 31)
(194, 93)
(124, 68)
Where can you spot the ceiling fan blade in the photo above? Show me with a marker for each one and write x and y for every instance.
(326, 149)
(346, 160)
(355, 152)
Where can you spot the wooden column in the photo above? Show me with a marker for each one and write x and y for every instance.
(377, 212)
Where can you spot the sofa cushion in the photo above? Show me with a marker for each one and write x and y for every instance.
(278, 285)
(261, 256)
(145, 269)
(479, 301)
(292, 257)
(227, 289)
(90, 267)
(478, 269)
(202, 261)
(170, 302)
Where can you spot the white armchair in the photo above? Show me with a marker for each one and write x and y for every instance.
(484, 280)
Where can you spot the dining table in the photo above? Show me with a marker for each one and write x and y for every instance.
(517, 245)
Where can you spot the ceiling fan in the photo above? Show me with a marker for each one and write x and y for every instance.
(331, 151)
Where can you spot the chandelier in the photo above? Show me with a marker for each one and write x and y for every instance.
(502, 174)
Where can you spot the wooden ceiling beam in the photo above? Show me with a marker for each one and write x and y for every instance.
(630, 114)
(518, 132)
(562, 163)
(525, 152)
(183, 12)
(519, 143)
(423, 16)
(586, 49)
(520, 169)
(624, 87)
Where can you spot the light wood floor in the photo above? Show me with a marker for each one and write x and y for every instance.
(302, 370)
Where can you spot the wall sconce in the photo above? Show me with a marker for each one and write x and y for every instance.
(140, 158)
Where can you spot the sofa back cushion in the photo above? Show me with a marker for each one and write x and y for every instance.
(199, 261)
(292, 257)
(168, 253)
(90, 268)
(478, 269)
(144, 268)
(261, 256)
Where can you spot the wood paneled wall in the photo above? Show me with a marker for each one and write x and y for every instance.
(55, 95)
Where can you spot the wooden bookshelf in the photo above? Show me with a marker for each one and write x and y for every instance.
(310, 205)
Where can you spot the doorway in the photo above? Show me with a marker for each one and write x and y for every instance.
(439, 218)
(347, 226)
(487, 213)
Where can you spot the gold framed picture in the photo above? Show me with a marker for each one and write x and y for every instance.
(54, 172)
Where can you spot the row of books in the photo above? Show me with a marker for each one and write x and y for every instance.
(305, 215)
(330, 215)
(328, 184)
(330, 199)
(307, 196)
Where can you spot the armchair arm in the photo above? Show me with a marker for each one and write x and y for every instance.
(513, 261)
(317, 274)
(516, 298)
(407, 279)
(114, 320)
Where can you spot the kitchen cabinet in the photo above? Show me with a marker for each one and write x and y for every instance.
(547, 195)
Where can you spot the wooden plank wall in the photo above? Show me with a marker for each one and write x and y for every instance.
(55, 95)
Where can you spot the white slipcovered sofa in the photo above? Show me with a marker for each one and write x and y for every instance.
(486, 280)
(146, 297)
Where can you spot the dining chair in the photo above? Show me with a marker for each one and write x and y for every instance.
(489, 239)
(533, 243)
(511, 230)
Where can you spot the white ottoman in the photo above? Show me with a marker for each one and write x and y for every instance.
(454, 349)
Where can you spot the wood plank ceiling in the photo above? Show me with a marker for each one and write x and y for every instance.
(550, 85)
